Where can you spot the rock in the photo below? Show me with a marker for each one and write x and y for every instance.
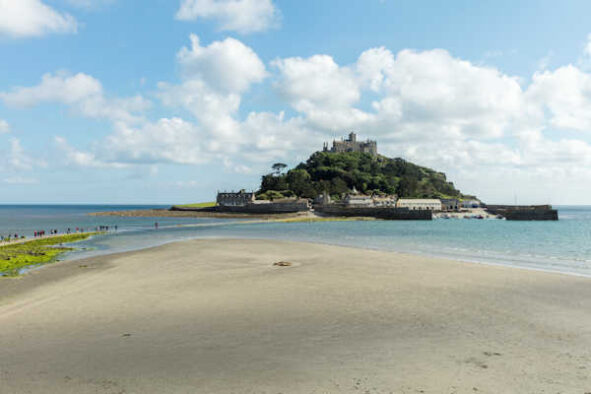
(282, 264)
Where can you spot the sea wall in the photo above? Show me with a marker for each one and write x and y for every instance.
(531, 214)
(183, 209)
(267, 208)
(386, 213)
(524, 212)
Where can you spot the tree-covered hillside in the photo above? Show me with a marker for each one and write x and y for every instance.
(339, 173)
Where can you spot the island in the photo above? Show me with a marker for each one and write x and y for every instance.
(351, 179)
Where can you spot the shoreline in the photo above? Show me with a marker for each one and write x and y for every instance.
(102, 258)
(219, 316)
(493, 261)
(97, 261)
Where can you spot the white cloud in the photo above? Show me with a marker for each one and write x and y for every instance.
(61, 88)
(81, 91)
(214, 79)
(566, 94)
(18, 159)
(323, 91)
(165, 141)
(226, 66)
(587, 50)
(215, 111)
(429, 88)
(270, 136)
(4, 127)
(265, 137)
(317, 82)
(78, 158)
(26, 18)
(243, 16)
(90, 4)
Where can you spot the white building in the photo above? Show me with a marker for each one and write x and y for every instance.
(384, 201)
(419, 204)
(358, 200)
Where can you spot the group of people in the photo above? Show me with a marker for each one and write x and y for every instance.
(105, 228)
(10, 237)
(43, 233)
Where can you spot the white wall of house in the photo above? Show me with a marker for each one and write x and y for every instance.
(359, 201)
(419, 204)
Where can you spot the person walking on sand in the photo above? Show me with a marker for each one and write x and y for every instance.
(156, 225)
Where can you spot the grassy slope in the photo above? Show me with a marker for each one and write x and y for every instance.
(198, 205)
(14, 257)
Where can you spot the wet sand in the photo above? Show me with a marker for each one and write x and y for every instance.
(216, 316)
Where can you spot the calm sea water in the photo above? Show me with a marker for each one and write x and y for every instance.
(563, 246)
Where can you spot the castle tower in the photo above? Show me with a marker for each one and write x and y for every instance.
(350, 144)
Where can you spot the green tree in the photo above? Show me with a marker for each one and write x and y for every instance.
(278, 168)
(339, 173)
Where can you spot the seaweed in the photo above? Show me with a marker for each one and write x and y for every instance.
(14, 257)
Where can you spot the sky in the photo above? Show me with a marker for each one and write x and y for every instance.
(169, 101)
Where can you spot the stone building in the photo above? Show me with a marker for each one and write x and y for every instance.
(419, 204)
(384, 201)
(350, 144)
(235, 199)
(358, 200)
(450, 204)
(361, 200)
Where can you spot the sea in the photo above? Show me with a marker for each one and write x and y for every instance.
(561, 246)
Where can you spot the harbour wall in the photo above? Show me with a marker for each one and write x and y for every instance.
(523, 212)
(379, 213)
(267, 208)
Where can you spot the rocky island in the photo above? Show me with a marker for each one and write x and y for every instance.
(351, 179)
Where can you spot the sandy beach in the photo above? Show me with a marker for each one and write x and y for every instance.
(216, 316)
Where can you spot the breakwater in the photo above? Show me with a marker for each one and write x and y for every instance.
(386, 213)
(524, 212)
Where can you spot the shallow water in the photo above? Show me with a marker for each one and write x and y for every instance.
(563, 246)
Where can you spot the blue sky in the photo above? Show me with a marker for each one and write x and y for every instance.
(122, 101)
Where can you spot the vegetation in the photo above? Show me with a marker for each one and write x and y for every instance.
(198, 205)
(278, 167)
(339, 173)
(16, 256)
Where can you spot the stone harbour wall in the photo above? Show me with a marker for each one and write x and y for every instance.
(386, 213)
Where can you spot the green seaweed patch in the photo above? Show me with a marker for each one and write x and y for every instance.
(14, 257)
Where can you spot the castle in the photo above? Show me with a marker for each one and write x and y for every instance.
(352, 145)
